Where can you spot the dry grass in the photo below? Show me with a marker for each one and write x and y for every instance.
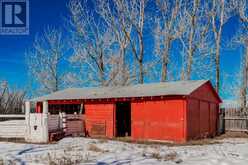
(66, 159)
(170, 157)
(205, 141)
(94, 148)
(156, 155)
(13, 140)
(200, 142)
(124, 139)
(103, 141)
(230, 134)
(9, 162)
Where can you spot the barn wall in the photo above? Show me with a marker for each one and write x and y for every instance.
(159, 120)
(206, 92)
(202, 112)
(100, 115)
(193, 118)
(201, 119)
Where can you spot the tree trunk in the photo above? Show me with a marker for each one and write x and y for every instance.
(217, 63)
(243, 97)
(191, 37)
(101, 69)
(165, 59)
(190, 57)
(140, 61)
(141, 72)
(123, 66)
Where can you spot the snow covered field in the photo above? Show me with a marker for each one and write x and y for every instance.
(106, 152)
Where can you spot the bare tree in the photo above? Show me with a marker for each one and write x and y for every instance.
(242, 40)
(243, 7)
(11, 101)
(103, 37)
(134, 12)
(121, 27)
(44, 60)
(243, 91)
(92, 41)
(221, 12)
(194, 40)
(169, 26)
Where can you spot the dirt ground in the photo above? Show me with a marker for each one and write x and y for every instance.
(233, 135)
(205, 141)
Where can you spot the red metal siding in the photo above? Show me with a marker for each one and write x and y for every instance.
(193, 118)
(213, 119)
(202, 113)
(100, 113)
(204, 119)
(206, 92)
(158, 120)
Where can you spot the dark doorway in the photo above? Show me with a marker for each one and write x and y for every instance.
(123, 119)
(67, 108)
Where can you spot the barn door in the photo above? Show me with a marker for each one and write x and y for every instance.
(123, 119)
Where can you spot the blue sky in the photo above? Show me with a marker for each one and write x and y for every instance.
(45, 13)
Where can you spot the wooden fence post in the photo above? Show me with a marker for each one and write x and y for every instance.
(27, 120)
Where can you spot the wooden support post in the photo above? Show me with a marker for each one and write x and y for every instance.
(60, 121)
(64, 122)
(45, 121)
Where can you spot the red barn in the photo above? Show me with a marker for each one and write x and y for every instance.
(173, 111)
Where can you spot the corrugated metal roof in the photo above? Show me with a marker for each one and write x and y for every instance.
(141, 90)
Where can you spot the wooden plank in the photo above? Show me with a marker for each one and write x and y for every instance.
(12, 116)
(98, 129)
(236, 118)
(54, 123)
(12, 129)
(238, 130)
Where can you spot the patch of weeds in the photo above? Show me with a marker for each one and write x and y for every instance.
(168, 157)
(171, 156)
(66, 159)
(156, 155)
